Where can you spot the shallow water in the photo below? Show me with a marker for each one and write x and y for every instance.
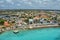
(36, 34)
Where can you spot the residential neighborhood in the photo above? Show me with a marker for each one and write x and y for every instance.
(19, 17)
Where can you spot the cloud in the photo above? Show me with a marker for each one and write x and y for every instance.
(1, 1)
(24, 0)
(30, 3)
(40, 2)
(12, 3)
(9, 1)
(27, 2)
(45, 0)
(18, 4)
(2, 5)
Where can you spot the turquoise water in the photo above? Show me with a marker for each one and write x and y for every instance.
(36, 34)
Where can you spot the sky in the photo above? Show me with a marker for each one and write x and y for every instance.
(30, 4)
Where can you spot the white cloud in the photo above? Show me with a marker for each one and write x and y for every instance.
(45, 3)
(45, 0)
(24, 0)
(2, 5)
(30, 3)
(40, 2)
(12, 3)
(58, 0)
(1, 1)
(9, 1)
(36, 0)
(18, 4)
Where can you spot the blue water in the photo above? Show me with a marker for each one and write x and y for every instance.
(36, 34)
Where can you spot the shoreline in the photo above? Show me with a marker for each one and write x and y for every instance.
(28, 28)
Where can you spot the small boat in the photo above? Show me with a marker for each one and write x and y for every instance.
(16, 31)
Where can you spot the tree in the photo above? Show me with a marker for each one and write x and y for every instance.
(1, 21)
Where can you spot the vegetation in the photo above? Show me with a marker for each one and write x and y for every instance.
(2, 21)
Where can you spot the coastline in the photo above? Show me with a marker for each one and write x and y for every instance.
(29, 27)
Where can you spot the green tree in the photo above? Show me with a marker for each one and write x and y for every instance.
(1, 21)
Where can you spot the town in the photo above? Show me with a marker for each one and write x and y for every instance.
(23, 19)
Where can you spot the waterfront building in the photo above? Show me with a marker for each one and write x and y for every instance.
(30, 21)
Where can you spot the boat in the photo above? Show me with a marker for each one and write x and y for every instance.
(16, 31)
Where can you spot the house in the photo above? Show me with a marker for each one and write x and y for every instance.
(30, 21)
(42, 17)
(54, 16)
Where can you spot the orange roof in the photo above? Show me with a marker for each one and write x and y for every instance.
(37, 17)
(44, 16)
(6, 23)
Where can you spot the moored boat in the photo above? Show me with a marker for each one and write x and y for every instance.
(16, 31)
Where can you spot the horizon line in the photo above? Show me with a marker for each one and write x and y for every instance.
(29, 9)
